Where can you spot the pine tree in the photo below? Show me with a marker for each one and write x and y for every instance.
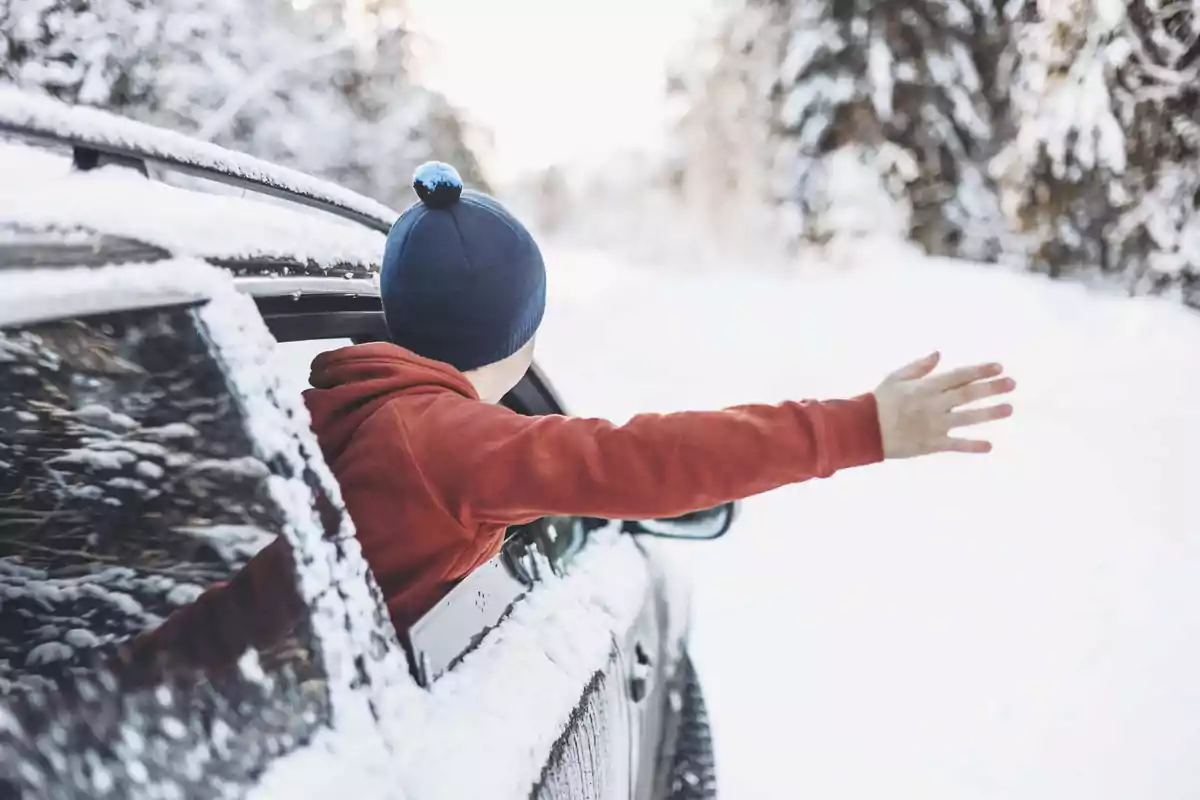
(1101, 173)
(889, 95)
(1062, 175)
(880, 115)
(1158, 237)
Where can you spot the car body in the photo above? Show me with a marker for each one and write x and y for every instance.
(161, 296)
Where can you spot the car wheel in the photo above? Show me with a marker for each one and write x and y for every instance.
(693, 770)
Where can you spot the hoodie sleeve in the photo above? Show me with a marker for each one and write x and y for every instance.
(493, 465)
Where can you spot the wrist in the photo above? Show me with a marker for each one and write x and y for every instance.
(856, 434)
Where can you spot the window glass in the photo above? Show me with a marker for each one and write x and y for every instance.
(129, 487)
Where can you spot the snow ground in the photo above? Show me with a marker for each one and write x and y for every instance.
(1023, 625)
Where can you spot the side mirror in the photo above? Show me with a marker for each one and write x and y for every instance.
(711, 523)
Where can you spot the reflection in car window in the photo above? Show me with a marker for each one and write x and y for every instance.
(128, 485)
(560, 539)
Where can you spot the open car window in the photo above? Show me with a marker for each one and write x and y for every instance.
(532, 552)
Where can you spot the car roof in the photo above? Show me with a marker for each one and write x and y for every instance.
(38, 117)
(79, 178)
(257, 236)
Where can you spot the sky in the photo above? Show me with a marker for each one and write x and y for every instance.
(555, 80)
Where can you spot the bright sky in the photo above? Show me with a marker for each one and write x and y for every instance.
(555, 79)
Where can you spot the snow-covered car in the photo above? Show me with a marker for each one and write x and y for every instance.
(159, 299)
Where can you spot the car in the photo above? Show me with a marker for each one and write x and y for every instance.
(161, 298)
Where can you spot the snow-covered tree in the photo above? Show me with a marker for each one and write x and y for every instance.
(1059, 134)
(879, 115)
(884, 100)
(355, 114)
(324, 87)
(1062, 176)
(1158, 237)
(720, 93)
(88, 51)
(1101, 174)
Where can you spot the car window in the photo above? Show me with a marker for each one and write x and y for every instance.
(556, 539)
(128, 486)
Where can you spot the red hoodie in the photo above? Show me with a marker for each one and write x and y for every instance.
(432, 476)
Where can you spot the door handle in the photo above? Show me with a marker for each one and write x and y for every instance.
(639, 681)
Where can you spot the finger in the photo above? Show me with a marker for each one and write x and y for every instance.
(979, 391)
(963, 376)
(955, 445)
(917, 369)
(977, 416)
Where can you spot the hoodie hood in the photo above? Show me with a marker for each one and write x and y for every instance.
(352, 383)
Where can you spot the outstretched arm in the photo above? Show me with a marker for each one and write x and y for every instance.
(493, 465)
(506, 468)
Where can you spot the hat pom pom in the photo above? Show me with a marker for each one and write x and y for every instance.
(438, 184)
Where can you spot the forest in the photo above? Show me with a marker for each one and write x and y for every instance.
(1058, 136)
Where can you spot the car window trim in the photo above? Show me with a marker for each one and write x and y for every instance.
(300, 286)
(534, 396)
(345, 324)
(358, 315)
(52, 292)
(442, 636)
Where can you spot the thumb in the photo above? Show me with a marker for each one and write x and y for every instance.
(917, 369)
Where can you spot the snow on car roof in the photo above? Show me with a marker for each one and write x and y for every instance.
(41, 191)
(29, 298)
(30, 114)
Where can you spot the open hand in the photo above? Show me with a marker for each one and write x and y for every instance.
(918, 410)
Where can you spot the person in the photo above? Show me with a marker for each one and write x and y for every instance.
(433, 470)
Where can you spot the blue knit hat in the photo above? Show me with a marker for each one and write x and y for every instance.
(462, 282)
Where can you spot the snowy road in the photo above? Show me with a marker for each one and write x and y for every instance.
(1025, 625)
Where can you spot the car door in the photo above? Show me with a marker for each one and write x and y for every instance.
(607, 725)
(591, 718)
(645, 664)
(582, 604)
(146, 457)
